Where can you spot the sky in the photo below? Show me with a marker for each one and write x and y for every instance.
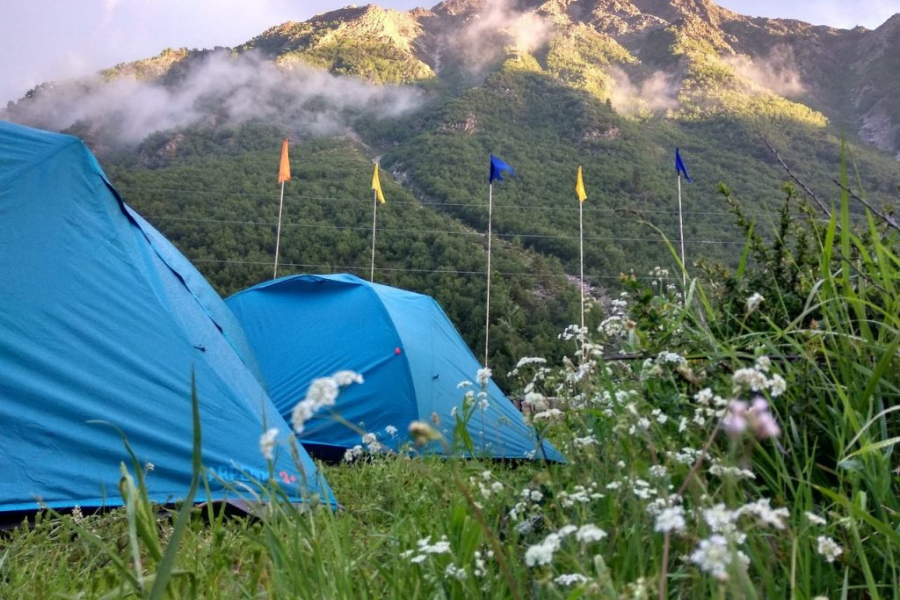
(48, 40)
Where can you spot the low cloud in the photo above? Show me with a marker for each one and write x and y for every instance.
(497, 25)
(229, 90)
(658, 92)
(776, 72)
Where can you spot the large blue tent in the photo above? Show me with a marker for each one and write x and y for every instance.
(102, 324)
(411, 356)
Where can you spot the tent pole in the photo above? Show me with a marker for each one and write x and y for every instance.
(374, 219)
(487, 317)
(278, 234)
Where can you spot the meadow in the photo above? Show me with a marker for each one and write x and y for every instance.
(728, 439)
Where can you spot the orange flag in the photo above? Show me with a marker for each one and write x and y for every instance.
(284, 169)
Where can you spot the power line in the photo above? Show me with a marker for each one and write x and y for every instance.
(362, 203)
(442, 231)
(332, 268)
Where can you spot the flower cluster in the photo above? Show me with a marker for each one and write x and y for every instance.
(267, 443)
(424, 547)
(323, 392)
(542, 553)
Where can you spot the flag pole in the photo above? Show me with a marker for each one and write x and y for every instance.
(278, 234)
(581, 254)
(681, 232)
(487, 318)
(374, 219)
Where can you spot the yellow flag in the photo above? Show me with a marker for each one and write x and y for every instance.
(579, 187)
(376, 185)
(284, 169)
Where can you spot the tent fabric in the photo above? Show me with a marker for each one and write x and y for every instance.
(411, 356)
(102, 324)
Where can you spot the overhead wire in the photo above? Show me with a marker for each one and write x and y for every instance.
(587, 209)
(440, 231)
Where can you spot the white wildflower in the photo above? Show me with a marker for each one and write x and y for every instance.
(828, 548)
(483, 376)
(670, 520)
(658, 471)
(542, 554)
(765, 514)
(551, 414)
(665, 357)
(536, 401)
(589, 533)
(815, 519)
(727, 471)
(713, 557)
(704, 396)
(442, 546)
(720, 519)
(753, 302)
(464, 384)
(454, 572)
(351, 454)
(570, 579)
(391, 430)
(322, 392)
(345, 378)
(530, 360)
(267, 443)
(583, 442)
(777, 385)
(751, 378)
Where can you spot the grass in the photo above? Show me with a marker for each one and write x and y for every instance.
(677, 483)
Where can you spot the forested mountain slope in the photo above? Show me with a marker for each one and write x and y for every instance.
(191, 138)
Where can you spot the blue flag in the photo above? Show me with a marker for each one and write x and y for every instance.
(679, 166)
(498, 167)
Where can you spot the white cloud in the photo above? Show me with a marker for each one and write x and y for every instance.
(233, 90)
(658, 92)
(777, 71)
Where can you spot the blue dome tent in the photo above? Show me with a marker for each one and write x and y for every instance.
(102, 319)
(411, 357)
